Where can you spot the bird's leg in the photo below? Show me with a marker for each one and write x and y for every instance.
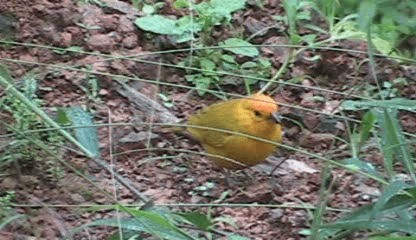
(226, 174)
(277, 166)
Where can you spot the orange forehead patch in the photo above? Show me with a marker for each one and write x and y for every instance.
(263, 103)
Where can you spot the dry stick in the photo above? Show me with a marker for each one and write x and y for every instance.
(144, 103)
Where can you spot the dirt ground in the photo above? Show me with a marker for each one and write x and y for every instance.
(176, 180)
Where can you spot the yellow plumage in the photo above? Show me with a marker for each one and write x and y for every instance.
(254, 115)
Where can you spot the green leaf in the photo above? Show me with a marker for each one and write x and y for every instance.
(366, 13)
(207, 64)
(290, 7)
(202, 84)
(367, 124)
(148, 9)
(356, 163)
(392, 238)
(362, 215)
(9, 219)
(188, 25)
(228, 58)
(390, 191)
(239, 46)
(178, 4)
(61, 117)
(237, 237)
(198, 219)
(225, 8)
(395, 103)
(393, 141)
(248, 65)
(159, 24)
(384, 46)
(309, 38)
(384, 225)
(87, 136)
(190, 78)
(150, 224)
(158, 222)
(4, 72)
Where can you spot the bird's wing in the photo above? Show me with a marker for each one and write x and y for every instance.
(215, 116)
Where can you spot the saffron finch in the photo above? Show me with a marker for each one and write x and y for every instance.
(255, 115)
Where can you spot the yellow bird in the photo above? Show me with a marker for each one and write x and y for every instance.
(256, 115)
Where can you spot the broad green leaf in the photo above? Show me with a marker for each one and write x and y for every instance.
(178, 4)
(384, 46)
(248, 65)
(396, 103)
(239, 46)
(356, 163)
(159, 227)
(87, 136)
(188, 25)
(207, 64)
(366, 13)
(62, 117)
(155, 219)
(159, 24)
(148, 9)
(225, 8)
(390, 191)
(228, 58)
(202, 84)
(198, 219)
(347, 30)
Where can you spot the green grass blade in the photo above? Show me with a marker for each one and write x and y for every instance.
(393, 141)
(390, 191)
(395, 103)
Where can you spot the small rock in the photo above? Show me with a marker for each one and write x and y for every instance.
(403, 177)
(367, 190)
(101, 42)
(29, 180)
(316, 140)
(255, 26)
(278, 53)
(161, 144)
(66, 39)
(77, 198)
(138, 137)
(28, 58)
(130, 42)
(126, 25)
(332, 107)
(109, 22)
(8, 183)
(298, 166)
(277, 213)
(103, 92)
(39, 8)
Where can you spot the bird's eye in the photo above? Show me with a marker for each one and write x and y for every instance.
(257, 113)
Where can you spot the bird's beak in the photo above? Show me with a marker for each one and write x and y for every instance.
(276, 117)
